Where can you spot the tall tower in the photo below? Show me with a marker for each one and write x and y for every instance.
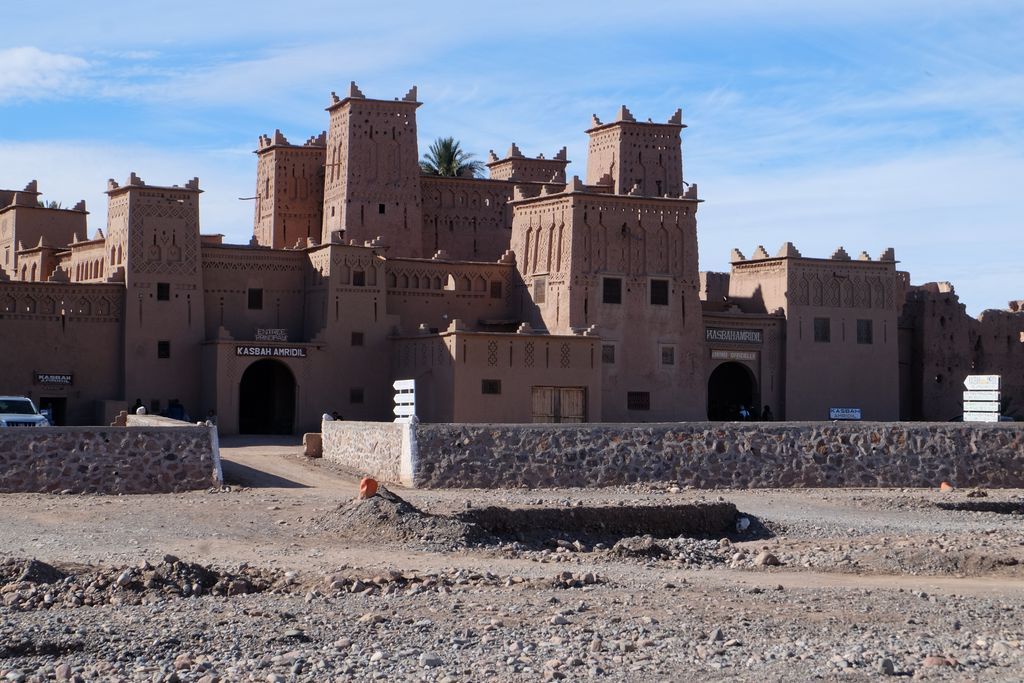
(372, 184)
(631, 154)
(289, 190)
(154, 232)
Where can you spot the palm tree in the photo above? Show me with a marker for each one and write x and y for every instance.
(50, 205)
(447, 158)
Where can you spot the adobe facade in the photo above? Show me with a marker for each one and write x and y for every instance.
(528, 296)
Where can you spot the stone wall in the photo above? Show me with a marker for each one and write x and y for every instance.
(108, 460)
(381, 450)
(710, 455)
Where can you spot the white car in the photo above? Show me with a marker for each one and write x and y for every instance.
(18, 411)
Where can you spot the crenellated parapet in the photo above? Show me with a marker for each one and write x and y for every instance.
(517, 167)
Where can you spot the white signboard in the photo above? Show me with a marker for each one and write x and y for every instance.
(981, 417)
(981, 395)
(985, 382)
(981, 406)
(844, 414)
(405, 399)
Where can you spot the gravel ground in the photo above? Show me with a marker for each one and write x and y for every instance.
(282, 578)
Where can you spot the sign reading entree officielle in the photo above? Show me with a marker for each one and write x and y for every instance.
(271, 351)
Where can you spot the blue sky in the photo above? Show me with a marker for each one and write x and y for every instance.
(862, 124)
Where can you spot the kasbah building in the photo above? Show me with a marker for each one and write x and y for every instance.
(524, 297)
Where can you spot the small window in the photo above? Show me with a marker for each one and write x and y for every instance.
(865, 332)
(490, 386)
(355, 395)
(668, 355)
(381, 208)
(255, 299)
(608, 354)
(495, 289)
(357, 339)
(638, 400)
(612, 290)
(659, 292)
(163, 291)
(539, 287)
(822, 330)
(163, 349)
(358, 278)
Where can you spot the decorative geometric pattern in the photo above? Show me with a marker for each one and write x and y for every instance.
(565, 356)
(528, 361)
(492, 353)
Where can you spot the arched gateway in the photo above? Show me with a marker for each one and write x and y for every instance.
(266, 401)
(730, 386)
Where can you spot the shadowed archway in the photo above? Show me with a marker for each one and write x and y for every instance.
(266, 399)
(730, 386)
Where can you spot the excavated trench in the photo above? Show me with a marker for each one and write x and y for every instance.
(659, 521)
(998, 507)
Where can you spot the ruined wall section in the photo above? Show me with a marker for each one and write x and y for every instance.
(468, 219)
(946, 344)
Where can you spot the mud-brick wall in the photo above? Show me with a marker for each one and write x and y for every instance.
(369, 448)
(710, 455)
(109, 460)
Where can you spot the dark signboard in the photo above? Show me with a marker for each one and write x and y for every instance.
(271, 351)
(736, 336)
(59, 378)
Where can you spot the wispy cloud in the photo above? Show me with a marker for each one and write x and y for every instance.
(28, 73)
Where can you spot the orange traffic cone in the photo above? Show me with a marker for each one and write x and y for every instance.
(367, 488)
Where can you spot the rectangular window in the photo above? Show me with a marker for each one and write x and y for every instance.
(163, 291)
(355, 395)
(638, 400)
(495, 289)
(358, 278)
(822, 330)
(539, 289)
(612, 290)
(608, 354)
(668, 355)
(357, 339)
(865, 332)
(490, 386)
(163, 349)
(659, 292)
(255, 299)
(380, 208)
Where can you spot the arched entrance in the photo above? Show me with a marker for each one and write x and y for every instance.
(730, 386)
(266, 399)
